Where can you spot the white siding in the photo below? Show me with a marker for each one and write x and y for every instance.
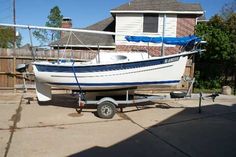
(133, 24)
(171, 26)
(128, 24)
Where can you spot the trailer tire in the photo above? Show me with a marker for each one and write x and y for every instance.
(177, 94)
(106, 110)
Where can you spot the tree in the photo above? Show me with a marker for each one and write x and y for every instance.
(217, 37)
(228, 9)
(231, 27)
(6, 37)
(54, 20)
(219, 57)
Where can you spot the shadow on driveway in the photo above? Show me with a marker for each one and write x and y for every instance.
(212, 133)
(188, 133)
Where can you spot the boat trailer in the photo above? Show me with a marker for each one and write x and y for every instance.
(108, 103)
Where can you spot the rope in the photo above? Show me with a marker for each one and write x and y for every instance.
(91, 50)
(63, 56)
(31, 44)
(77, 82)
(82, 42)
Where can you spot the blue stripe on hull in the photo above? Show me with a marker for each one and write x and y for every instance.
(117, 84)
(108, 67)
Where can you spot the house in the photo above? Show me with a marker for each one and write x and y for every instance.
(169, 18)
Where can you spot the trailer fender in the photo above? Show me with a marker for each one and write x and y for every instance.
(107, 99)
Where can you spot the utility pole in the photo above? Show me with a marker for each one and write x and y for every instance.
(14, 21)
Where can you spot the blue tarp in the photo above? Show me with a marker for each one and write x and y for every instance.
(167, 40)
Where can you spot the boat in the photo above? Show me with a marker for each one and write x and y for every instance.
(110, 71)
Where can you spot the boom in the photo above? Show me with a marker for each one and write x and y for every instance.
(61, 29)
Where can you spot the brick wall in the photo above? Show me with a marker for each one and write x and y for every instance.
(66, 23)
(185, 25)
(153, 50)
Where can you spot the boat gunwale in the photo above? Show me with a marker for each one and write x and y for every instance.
(115, 63)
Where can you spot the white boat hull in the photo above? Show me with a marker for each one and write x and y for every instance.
(164, 71)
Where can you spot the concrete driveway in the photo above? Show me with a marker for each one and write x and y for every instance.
(167, 128)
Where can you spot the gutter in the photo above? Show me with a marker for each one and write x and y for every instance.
(157, 12)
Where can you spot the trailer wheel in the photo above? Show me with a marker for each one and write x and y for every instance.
(177, 94)
(106, 110)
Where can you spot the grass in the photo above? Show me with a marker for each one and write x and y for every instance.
(203, 90)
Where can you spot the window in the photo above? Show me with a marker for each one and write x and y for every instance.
(150, 23)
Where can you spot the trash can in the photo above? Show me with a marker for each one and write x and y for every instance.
(226, 90)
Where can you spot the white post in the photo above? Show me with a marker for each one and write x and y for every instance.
(98, 59)
(163, 35)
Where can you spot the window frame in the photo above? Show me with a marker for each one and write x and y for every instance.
(150, 27)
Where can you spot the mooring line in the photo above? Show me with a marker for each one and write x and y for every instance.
(16, 119)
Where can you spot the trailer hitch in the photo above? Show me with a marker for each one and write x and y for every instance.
(201, 97)
(212, 96)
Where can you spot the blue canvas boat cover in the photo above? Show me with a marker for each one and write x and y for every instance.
(181, 41)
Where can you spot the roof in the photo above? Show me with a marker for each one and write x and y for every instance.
(159, 6)
(79, 39)
(107, 24)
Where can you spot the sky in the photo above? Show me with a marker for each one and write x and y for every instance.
(82, 12)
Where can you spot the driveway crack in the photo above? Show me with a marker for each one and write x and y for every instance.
(15, 118)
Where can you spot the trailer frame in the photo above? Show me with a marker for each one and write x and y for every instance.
(106, 105)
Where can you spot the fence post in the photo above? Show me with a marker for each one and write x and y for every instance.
(14, 73)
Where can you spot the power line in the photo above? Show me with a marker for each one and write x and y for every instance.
(9, 8)
(5, 9)
(5, 5)
(6, 17)
(3, 1)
